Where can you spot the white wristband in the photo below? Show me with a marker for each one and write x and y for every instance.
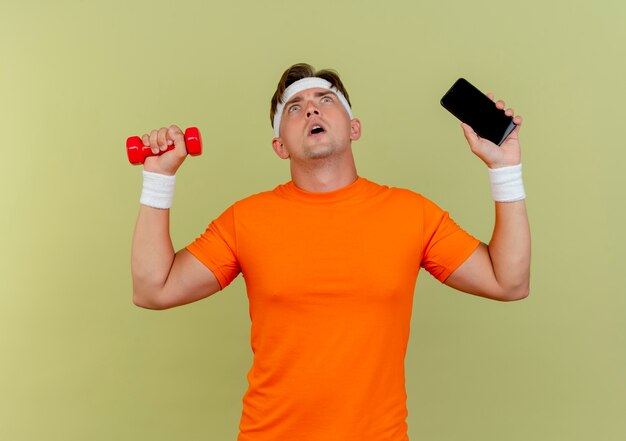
(158, 190)
(507, 184)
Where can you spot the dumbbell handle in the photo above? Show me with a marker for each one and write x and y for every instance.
(137, 152)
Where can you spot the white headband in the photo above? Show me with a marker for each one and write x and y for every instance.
(299, 86)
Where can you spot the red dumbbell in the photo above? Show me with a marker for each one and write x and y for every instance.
(137, 152)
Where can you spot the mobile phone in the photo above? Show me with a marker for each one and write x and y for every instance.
(474, 108)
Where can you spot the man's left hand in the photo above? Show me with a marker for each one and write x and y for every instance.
(507, 154)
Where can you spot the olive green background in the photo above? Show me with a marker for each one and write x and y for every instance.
(78, 361)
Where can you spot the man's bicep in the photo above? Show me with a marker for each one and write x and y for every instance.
(476, 275)
(189, 280)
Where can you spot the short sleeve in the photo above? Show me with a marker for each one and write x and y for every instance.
(216, 248)
(446, 245)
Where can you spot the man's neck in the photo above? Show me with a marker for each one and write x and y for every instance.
(324, 176)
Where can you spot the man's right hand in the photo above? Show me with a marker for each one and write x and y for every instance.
(162, 278)
(158, 140)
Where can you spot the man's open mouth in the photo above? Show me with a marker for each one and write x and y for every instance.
(316, 129)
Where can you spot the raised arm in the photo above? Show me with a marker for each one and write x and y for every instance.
(500, 270)
(162, 278)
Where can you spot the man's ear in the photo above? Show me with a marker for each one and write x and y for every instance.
(279, 148)
(355, 129)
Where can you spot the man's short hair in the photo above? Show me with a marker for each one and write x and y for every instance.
(299, 71)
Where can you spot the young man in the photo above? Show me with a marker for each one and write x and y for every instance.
(330, 262)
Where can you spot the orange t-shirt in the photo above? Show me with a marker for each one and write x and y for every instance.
(330, 280)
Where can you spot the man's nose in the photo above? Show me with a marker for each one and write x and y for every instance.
(311, 110)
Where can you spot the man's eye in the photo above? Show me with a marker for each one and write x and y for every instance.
(293, 108)
(327, 99)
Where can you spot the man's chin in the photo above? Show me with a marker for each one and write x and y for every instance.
(319, 153)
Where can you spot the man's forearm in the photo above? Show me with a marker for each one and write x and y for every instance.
(152, 253)
(509, 248)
